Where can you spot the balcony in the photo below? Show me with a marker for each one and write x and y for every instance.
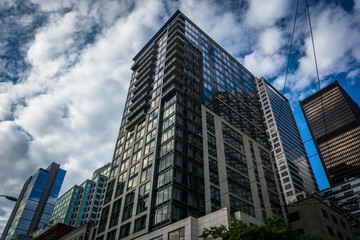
(175, 33)
(174, 71)
(143, 91)
(175, 41)
(170, 88)
(143, 105)
(131, 123)
(150, 53)
(146, 72)
(179, 26)
(174, 63)
(138, 102)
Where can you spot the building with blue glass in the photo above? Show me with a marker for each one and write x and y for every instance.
(192, 139)
(35, 203)
(296, 175)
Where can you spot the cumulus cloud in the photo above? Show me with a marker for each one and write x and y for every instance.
(267, 59)
(63, 94)
(263, 13)
(68, 109)
(336, 33)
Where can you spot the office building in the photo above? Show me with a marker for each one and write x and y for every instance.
(192, 139)
(35, 203)
(297, 177)
(82, 203)
(334, 122)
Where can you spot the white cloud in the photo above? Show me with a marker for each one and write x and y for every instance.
(221, 25)
(264, 13)
(53, 5)
(67, 108)
(267, 59)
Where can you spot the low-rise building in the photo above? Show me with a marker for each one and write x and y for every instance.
(316, 217)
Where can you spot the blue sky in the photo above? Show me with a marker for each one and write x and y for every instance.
(65, 69)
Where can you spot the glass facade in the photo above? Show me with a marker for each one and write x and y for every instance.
(36, 202)
(334, 122)
(187, 97)
(82, 203)
(297, 177)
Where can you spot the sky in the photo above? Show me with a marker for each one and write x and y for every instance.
(65, 70)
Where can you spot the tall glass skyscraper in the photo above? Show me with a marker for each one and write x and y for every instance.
(35, 202)
(192, 139)
(297, 177)
(334, 122)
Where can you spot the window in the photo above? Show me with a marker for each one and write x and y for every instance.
(169, 122)
(324, 213)
(140, 223)
(162, 214)
(213, 171)
(128, 206)
(125, 230)
(169, 111)
(143, 196)
(111, 235)
(120, 185)
(165, 162)
(334, 219)
(163, 195)
(168, 147)
(330, 231)
(115, 212)
(167, 135)
(215, 199)
(103, 219)
(294, 216)
(146, 173)
(233, 137)
(210, 124)
(235, 159)
(164, 178)
(158, 238)
(212, 145)
(238, 205)
(177, 234)
(109, 191)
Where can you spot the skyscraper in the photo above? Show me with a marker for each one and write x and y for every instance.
(192, 139)
(334, 122)
(82, 203)
(35, 202)
(297, 177)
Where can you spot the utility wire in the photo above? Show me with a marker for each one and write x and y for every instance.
(291, 43)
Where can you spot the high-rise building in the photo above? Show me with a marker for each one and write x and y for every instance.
(82, 203)
(192, 139)
(35, 202)
(334, 122)
(297, 177)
